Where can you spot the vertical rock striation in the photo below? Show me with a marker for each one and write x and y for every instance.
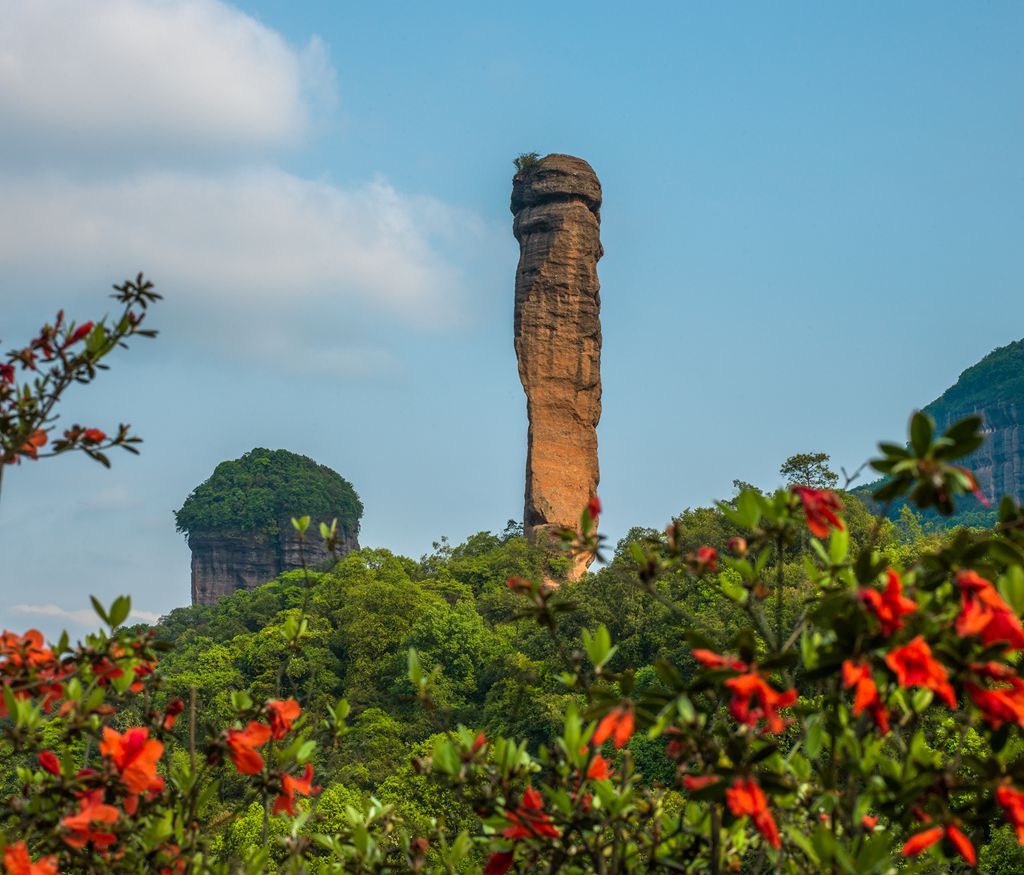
(223, 562)
(557, 207)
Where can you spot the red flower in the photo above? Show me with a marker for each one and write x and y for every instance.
(598, 768)
(282, 714)
(858, 674)
(479, 742)
(984, 613)
(81, 826)
(135, 756)
(914, 667)
(924, 840)
(94, 436)
(889, 605)
(594, 508)
(1004, 704)
(18, 862)
(49, 761)
(79, 333)
(869, 821)
(290, 786)
(745, 797)
(500, 862)
(1012, 803)
(530, 819)
(617, 724)
(752, 689)
(7, 373)
(699, 782)
(242, 744)
(36, 440)
(820, 508)
(712, 660)
(706, 561)
(171, 713)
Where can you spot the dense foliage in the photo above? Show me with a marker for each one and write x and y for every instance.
(263, 489)
(997, 379)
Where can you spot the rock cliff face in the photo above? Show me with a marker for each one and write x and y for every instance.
(557, 208)
(223, 562)
(993, 389)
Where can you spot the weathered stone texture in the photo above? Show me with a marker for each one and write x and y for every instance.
(223, 562)
(557, 209)
(999, 463)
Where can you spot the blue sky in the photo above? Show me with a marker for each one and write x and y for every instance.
(812, 224)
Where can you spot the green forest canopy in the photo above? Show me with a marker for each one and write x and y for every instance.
(999, 377)
(265, 487)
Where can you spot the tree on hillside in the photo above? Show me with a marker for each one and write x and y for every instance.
(809, 469)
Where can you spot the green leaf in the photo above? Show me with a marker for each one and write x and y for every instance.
(1011, 586)
(921, 430)
(99, 609)
(120, 610)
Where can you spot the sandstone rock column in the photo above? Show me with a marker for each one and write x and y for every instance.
(557, 207)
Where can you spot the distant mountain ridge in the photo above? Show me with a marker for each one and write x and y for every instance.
(993, 389)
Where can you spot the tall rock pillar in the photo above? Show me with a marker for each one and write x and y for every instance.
(557, 207)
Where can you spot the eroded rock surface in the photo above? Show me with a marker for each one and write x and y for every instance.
(557, 209)
(223, 562)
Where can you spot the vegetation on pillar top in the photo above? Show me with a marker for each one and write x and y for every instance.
(265, 487)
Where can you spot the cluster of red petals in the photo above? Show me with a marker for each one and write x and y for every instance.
(821, 507)
(48, 760)
(172, 712)
(985, 614)
(26, 663)
(705, 561)
(242, 744)
(290, 786)
(617, 724)
(80, 333)
(745, 797)
(924, 840)
(500, 862)
(890, 604)
(914, 666)
(18, 862)
(283, 713)
(975, 488)
(709, 659)
(699, 782)
(594, 508)
(135, 756)
(1012, 803)
(530, 819)
(858, 675)
(599, 769)
(754, 699)
(82, 827)
(1002, 704)
(6, 373)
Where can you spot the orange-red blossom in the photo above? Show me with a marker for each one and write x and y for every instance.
(859, 676)
(821, 507)
(754, 699)
(915, 666)
(1012, 803)
(985, 614)
(290, 786)
(242, 744)
(81, 827)
(745, 797)
(530, 819)
(1003, 704)
(890, 604)
(18, 862)
(924, 840)
(617, 724)
(135, 756)
(282, 712)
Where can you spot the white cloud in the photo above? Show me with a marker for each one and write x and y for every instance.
(79, 618)
(113, 499)
(255, 262)
(132, 77)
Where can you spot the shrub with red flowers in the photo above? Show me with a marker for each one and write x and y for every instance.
(874, 725)
(34, 378)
